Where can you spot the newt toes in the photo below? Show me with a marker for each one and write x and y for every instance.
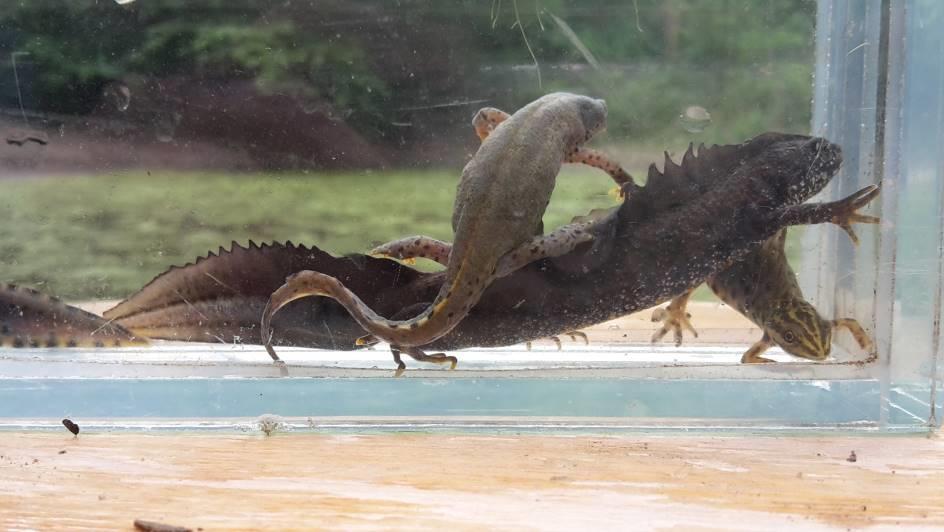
(500, 202)
(674, 318)
(557, 341)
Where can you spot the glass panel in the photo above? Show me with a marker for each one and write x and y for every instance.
(140, 135)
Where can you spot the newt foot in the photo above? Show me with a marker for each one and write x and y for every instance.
(556, 339)
(752, 355)
(674, 318)
(845, 221)
(418, 354)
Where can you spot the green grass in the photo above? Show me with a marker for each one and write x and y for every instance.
(105, 236)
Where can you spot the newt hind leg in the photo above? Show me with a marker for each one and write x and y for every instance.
(413, 352)
(674, 318)
(558, 242)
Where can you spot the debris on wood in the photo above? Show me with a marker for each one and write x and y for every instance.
(72, 426)
(153, 526)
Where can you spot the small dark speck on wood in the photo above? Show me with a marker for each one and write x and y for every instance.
(151, 526)
(71, 425)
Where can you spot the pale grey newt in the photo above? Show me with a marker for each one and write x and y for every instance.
(484, 122)
(500, 201)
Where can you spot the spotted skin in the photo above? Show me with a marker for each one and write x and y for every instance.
(413, 247)
(30, 319)
(500, 201)
(764, 288)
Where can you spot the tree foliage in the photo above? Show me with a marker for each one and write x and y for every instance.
(370, 59)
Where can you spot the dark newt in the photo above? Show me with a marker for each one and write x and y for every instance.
(763, 287)
(500, 202)
(688, 222)
(29, 318)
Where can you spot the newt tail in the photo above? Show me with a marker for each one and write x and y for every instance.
(29, 318)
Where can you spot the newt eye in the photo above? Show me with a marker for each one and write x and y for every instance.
(789, 337)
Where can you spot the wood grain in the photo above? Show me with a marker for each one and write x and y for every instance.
(432, 481)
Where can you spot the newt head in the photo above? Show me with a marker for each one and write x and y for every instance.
(486, 119)
(800, 330)
(804, 166)
(592, 114)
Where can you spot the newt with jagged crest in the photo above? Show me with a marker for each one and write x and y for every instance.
(689, 222)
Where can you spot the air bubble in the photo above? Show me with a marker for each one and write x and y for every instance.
(695, 119)
(165, 127)
(118, 95)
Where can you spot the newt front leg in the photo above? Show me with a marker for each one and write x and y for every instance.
(753, 354)
(559, 242)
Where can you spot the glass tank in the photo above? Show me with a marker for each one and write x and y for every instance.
(522, 216)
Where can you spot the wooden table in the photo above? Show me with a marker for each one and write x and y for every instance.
(50, 481)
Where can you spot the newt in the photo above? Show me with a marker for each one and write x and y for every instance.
(484, 122)
(690, 221)
(29, 318)
(500, 202)
(687, 223)
(763, 288)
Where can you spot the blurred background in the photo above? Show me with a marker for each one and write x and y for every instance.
(141, 134)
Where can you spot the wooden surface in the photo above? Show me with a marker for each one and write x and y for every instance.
(50, 481)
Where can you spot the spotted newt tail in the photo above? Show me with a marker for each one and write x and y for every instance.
(500, 202)
(31, 319)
